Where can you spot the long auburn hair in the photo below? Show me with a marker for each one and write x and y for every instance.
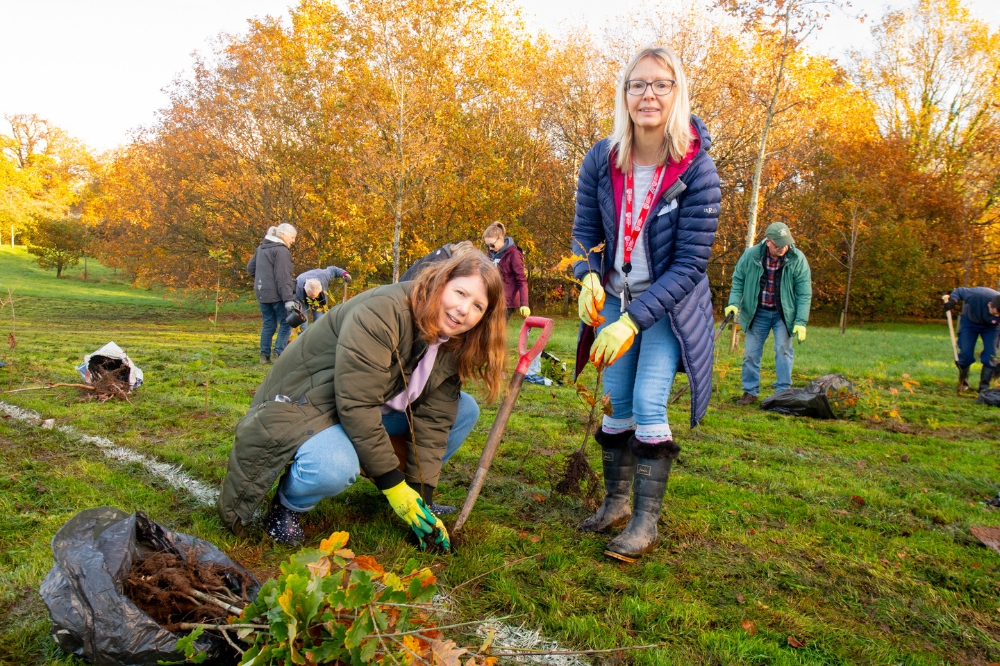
(677, 135)
(481, 352)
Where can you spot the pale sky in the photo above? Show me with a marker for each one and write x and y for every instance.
(97, 68)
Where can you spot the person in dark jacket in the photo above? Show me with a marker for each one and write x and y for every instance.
(310, 290)
(647, 208)
(980, 319)
(390, 361)
(771, 291)
(271, 269)
(508, 257)
(446, 251)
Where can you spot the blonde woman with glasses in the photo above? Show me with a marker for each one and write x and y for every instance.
(647, 207)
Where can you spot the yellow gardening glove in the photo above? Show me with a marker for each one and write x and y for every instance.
(409, 506)
(800, 332)
(731, 310)
(591, 300)
(524, 311)
(613, 341)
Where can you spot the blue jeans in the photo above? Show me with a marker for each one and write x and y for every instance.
(639, 382)
(326, 464)
(967, 334)
(274, 320)
(765, 321)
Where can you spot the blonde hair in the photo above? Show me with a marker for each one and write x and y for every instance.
(677, 135)
(495, 230)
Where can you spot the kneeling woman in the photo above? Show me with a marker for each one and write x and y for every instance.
(386, 362)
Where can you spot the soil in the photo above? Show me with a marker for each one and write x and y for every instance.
(161, 586)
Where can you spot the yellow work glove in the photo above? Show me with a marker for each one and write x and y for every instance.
(800, 332)
(524, 311)
(731, 310)
(613, 341)
(591, 300)
(409, 506)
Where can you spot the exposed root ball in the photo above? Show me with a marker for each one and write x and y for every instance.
(164, 586)
(579, 479)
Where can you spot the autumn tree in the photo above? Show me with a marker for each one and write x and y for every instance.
(57, 243)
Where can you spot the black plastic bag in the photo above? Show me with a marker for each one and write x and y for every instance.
(989, 397)
(91, 617)
(822, 398)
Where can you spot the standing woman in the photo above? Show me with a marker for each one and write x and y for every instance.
(647, 207)
(510, 260)
(274, 285)
(390, 361)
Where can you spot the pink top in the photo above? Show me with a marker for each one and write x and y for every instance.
(418, 380)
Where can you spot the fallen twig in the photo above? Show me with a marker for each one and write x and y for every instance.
(187, 626)
(528, 652)
(86, 387)
(502, 566)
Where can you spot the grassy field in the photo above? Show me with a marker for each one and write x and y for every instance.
(851, 536)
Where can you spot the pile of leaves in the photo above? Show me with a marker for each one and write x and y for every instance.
(330, 606)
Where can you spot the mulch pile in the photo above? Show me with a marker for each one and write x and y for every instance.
(165, 587)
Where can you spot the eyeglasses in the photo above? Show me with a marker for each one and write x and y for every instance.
(661, 87)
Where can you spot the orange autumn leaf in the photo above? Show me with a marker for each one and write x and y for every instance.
(368, 563)
(336, 541)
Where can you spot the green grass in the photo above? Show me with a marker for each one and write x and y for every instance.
(820, 530)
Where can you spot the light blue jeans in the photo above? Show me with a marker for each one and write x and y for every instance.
(640, 381)
(765, 321)
(326, 464)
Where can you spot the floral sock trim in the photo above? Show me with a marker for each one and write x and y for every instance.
(617, 426)
(654, 434)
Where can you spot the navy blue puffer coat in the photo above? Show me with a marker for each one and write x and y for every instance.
(679, 235)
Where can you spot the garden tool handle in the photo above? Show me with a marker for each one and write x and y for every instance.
(529, 355)
(951, 333)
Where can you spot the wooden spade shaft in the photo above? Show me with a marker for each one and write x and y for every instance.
(951, 332)
(490, 449)
(506, 407)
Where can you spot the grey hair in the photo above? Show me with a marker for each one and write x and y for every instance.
(313, 285)
(285, 230)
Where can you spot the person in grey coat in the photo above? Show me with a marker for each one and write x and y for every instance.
(310, 290)
(271, 269)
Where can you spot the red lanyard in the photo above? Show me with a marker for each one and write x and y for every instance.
(632, 232)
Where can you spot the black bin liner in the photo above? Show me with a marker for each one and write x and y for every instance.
(989, 397)
(822, 398)
(91, 617)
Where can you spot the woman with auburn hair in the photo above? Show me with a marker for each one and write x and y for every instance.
(647, 207)
(390, 361)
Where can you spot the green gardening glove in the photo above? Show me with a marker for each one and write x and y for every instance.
(409, 506)
(800, 332)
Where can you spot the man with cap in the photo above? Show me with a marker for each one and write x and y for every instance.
(772, 291)
(980, 319)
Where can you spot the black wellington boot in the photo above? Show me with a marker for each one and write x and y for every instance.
(283, 524)
(985, 376)
(963, 378)
(619, 465)
(652, 469)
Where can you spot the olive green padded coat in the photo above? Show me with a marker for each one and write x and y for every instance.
(342, 370)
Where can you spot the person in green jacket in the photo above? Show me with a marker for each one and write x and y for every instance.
(390, 361)
(772, 291)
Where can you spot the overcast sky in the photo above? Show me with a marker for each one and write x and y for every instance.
(97, 67)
